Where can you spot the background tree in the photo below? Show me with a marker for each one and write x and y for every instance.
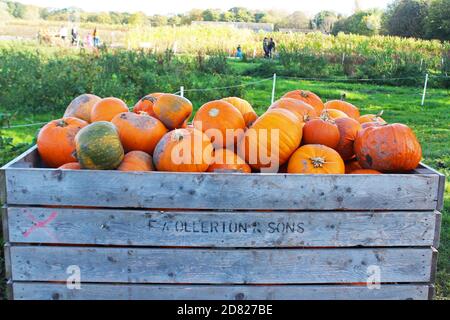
(324, 20)
(211, 15)
(406, 18)
(137, 19)
(437, 24)
(296, 20)
(366, 23)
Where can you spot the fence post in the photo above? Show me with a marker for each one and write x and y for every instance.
(424, 89)
(182, 91)
(273, 87)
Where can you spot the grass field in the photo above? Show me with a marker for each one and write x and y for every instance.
(400, 104)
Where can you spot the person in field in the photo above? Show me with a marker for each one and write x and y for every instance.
(271, 47)
(266, 47)
(239, 53)
(63, 33)
(74, 34)
(96, 38)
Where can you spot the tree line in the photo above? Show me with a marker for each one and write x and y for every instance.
(429, 19)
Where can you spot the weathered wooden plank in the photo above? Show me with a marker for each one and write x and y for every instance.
(221, 266)
(5, 223)
(52, 291)
(8, 262)
(2, 187)
(28, 159)
(220, 229)
(441, 189)
(437, 231)
(221, 191)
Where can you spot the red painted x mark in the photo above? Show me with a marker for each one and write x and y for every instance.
(41, 225)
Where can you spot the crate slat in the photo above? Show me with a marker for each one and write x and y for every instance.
(221, 191)
(51, 291)
(221, 229)
(220, 266)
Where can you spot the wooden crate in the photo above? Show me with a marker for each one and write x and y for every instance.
(219, 236)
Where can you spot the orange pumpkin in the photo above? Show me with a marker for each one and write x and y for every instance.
(352, 165)
(308, 97)
(365, 171)
(388, 148)
(172, 110)
(349, 109)
(245, 108)
(271, 140)
(183, 150)
(70, 166)
(225, 160)
(146, 104)
(371, 124)
(107, 108)
(300, 108)
(139, 131)
(221, 122)
(81, 107)
(136, 161)
(56, 141)
(334, 114)
(372, 118)
(348, 130)
(316, 159)
(321, 131)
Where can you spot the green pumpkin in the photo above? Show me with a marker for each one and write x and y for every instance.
(98, 146)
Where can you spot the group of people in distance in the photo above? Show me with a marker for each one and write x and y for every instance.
(268, 47)
(91, 40)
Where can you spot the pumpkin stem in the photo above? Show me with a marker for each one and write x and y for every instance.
(343, 96)
(61, 123)
(317, 162)
(143, 113)
(379, 114)
(178, 135)
(303, 94)
(325, 116)
(149, 98)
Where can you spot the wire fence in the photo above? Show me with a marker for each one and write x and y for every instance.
(274, 78)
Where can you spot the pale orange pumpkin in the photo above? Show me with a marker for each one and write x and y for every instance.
(174, 111)
(308, 97)
(271, 140)
(301, 109)
(81, 107)
(139, 131)
(221, 122)
(183, 150)
(372, 118)
(225, 160)
(136, 161)
(71, 166)
(334, 113)
(344, 106)
(107, 108)
(245, 108)
(316, 159)
(56, 141)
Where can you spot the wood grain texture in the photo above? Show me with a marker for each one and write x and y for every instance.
(221, 266)
(51, 291)
(221, 191)
(437, 231)
(221, 229)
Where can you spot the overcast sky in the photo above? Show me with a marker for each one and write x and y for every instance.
(151, 7)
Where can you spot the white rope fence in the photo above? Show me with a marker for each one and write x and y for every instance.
(273, 78)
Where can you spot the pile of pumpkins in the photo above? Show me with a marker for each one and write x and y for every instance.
(312, 137)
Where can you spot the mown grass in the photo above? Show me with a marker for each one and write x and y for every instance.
(400, 104)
